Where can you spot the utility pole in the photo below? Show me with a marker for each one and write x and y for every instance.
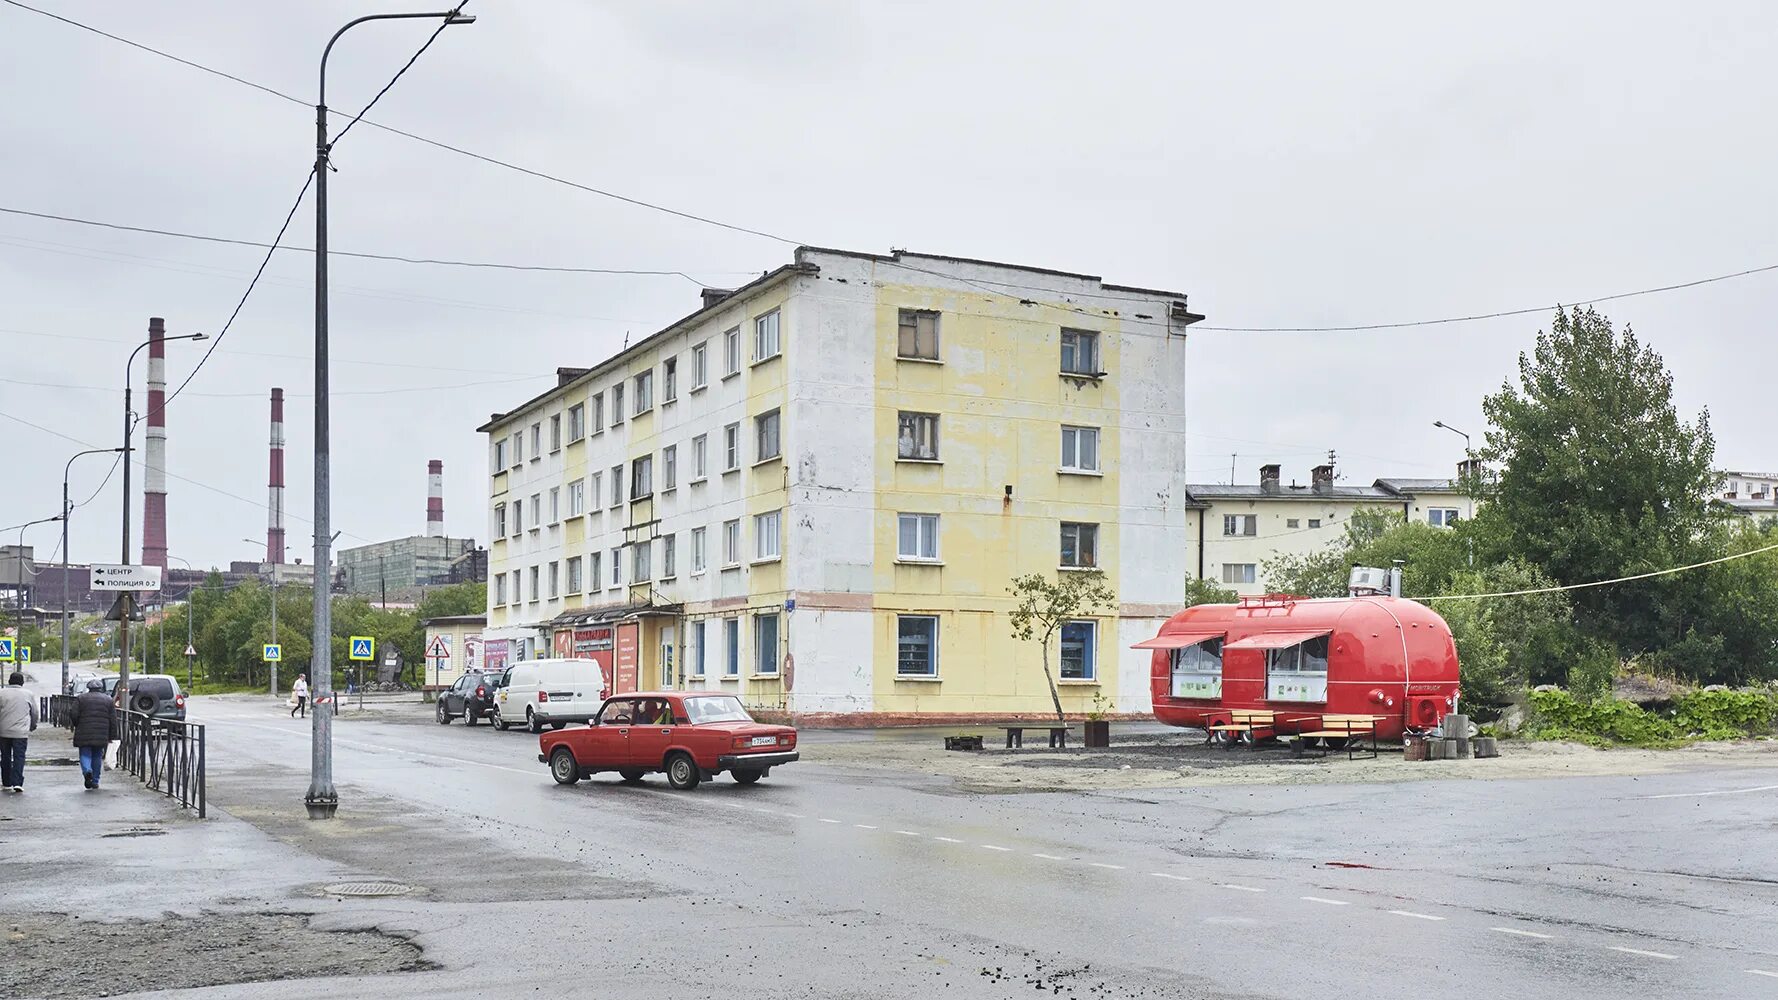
(322, 799)
(271, 667)
(67, 512)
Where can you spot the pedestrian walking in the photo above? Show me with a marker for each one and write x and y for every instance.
(95, 726)
(18, 718)
(299, 697)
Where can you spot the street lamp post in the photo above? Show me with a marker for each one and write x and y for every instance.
(322, 799)
(18, 619)
(1467, 451)
(123, 625)
(67, 514)
(191, 594)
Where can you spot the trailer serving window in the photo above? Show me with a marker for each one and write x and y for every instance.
(1296, 664)
(1194, 662)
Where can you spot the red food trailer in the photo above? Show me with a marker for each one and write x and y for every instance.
(1302, 659)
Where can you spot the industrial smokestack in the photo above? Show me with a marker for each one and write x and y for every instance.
(435, 499)
(274, 524)
(154, 486)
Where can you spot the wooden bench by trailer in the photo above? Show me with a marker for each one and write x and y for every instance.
(1249, 722)
(1015, 735)
(1353, 729)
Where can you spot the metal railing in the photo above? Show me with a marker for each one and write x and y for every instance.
(166, 754)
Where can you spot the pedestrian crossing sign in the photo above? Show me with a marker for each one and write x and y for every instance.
(24, 654)
(6, 653)
(363, 648)
(272, 652)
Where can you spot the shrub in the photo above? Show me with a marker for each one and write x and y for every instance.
(1727, 715)
(1700, 715)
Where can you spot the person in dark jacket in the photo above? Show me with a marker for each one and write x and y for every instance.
(95, 726)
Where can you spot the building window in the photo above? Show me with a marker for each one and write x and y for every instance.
(1314, 522)
(916, 436)
(499, 589)
(500, 455)
(765, 644)
(642, 477)
(593, 570)
(765, 436)
(1078, 646)
(555, 580)
(916, 537)
(669, 556)
(731, 445)
(574, 581)
(669, 380)
(669, 468)
(537, 441)
(555, 433)
(1080, 545)
(765, 336)
(536, 512)
(1442, 517)
(617, 404)
(700, 367)
(1239, 573)
(700, 630)
(645, 392)
(499, 520)
(617, 486)
(577, 498)
(1080, 353)
(518, 518)
(576, 422)
(598, 413)
(536, 591)
(698, 553)
(918, 334)
(699, 459)
(617, 567)
(765, 536)
(518, 448)
(731, 543)
(731, 352)
(1240, 524)
(555, 505)
(916, 646)
(731, 646)
(642, 559)
(594, 483)
(1080, 449)
(1291, 522)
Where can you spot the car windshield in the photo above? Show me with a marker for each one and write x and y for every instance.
(726, 709)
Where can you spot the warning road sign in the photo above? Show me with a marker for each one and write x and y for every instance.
(363, 648)
(440, 648)
(272, 652)
(190, 651)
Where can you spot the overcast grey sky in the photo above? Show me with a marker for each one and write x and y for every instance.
(1284, 164)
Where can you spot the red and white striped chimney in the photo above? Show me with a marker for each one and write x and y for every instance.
(435, 499)
(154, 485)
(274, 523)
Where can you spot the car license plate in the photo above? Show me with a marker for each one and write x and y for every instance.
(765, 741)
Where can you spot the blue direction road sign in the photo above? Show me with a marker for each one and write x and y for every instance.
(6, 653)
(272, 652)
(363, 648)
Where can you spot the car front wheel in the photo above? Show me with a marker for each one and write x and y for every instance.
(682, 772)
(444, 718)
(746, 777)
(562, 766)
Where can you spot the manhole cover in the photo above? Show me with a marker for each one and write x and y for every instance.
(367, 889)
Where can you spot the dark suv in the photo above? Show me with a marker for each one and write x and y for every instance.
(157, 695)
(470, 699)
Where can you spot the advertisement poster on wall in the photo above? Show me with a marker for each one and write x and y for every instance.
(472, 653)
(562, 643)
(628, 644)
(596, 644)
(494, 653)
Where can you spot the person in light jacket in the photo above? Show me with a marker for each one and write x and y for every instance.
(299, 696)
(18, 719)
(95, 726)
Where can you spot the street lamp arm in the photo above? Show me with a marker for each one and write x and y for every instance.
(451, 16)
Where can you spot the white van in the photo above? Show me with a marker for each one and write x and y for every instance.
(542, 693)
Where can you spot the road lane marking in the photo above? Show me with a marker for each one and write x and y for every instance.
(835, 822)
(1241, 888)
(996, 847)
(864, 826)
(909, 833)
(1519, 933)
(1049, 857)
(1762, 972)
(1176, 878)
(949, 840)
(1700, 795)
(1101, 864)
(1329, 902)
(1416, 916)
(794, 816)
(1645, 954)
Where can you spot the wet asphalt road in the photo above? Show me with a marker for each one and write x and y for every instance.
(836, 880)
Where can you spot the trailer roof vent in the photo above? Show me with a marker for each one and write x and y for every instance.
(1367, 580)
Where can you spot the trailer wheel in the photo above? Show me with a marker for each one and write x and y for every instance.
(1224, 740)
(1335, 743)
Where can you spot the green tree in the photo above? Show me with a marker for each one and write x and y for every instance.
(1505, 644)
(1045, 605)
(1198, 591)
(1599, 476)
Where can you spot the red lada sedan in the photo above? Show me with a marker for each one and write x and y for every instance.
(689, 736)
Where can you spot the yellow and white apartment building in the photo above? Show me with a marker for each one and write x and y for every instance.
(814, 491)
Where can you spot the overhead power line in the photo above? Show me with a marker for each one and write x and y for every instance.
(1603, 583)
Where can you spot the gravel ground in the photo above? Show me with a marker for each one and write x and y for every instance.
(55, 955)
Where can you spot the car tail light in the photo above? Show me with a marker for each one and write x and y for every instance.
(480, 692)
(743, 742)
(543, 696)
(179, 701)
(789, 740)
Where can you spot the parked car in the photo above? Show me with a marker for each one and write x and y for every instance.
(689, 736)
(471, 698)
(551, 693)
(157, 695)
